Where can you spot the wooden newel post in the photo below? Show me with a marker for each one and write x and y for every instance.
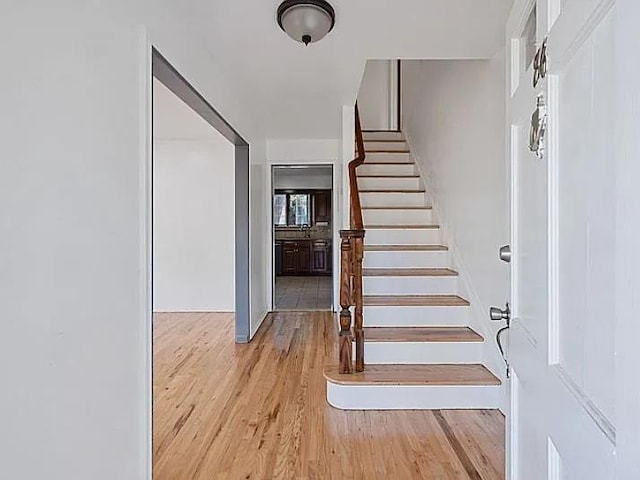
(357, 242)
(346, 364)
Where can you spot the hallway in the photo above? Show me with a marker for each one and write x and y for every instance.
(258, 411)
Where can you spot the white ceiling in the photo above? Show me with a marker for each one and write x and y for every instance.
(297, 91)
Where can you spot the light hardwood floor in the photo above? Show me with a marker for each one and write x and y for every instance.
(258, 411)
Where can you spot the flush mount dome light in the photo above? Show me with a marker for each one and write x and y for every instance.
(306, 21)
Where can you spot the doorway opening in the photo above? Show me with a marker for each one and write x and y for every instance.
(302, 198)
(200, 241)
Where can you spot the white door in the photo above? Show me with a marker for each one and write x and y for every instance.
(561, 342)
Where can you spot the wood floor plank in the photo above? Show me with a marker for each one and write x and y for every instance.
(487, 457)
(259, 411)
(419, 374)
(421, 334)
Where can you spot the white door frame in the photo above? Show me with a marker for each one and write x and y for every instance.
(627, 258)
(335, 227)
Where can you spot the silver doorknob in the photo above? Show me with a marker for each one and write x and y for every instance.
(505, 253)
(496, 314)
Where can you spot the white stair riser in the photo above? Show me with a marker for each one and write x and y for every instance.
(389, 183)
(406, 259)
(417, 199)
(409, 397)
(377, 145)
(382, 136)
(408, 236)
(410, 285)
(400, 316)
(397, 169)
(422, 352)
(398, 217)
(388, 157)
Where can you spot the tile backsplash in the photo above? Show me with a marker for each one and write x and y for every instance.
(315, 232)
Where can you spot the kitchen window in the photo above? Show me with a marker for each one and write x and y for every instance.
(291, 209)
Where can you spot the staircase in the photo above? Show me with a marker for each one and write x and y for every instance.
(420, 352)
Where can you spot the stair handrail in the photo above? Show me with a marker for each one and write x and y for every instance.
(356, 207)
(351, 256)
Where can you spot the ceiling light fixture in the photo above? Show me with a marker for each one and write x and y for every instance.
(306, 21)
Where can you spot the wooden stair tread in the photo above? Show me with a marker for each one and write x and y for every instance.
(388, 176)
(373, 162)
(393, 140)
(416, 190)
(387, 151)
(401, 227)
(408, 207)
(415, 301)
(437, 375)
(409, 272)
(421, 334)
(406, 248)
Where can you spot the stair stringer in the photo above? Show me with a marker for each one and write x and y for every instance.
(478, 313)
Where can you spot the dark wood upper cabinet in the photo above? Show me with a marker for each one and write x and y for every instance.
(322, 207)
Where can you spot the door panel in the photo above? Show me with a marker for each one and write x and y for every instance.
(561, 346)
(586, 230)
(290, 258)
(304, 257)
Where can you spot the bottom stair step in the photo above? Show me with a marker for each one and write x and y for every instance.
(420, 387)
(442, 374)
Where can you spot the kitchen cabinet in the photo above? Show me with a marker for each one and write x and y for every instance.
(290, 258)
(322, 207)
(321, 257)
(303, 257)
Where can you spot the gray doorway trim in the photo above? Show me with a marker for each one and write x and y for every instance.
(170, 78)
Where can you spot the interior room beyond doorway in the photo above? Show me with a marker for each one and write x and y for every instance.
(302, 224)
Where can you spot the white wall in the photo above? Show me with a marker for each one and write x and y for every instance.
(193, 226)
(453, 116)
(313, 178)
(378, 95)
(193, 211)
(74, 228)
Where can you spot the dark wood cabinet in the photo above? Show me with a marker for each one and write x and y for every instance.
(322, 207)
(290, 258)
(302, 257)
(321, 256)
